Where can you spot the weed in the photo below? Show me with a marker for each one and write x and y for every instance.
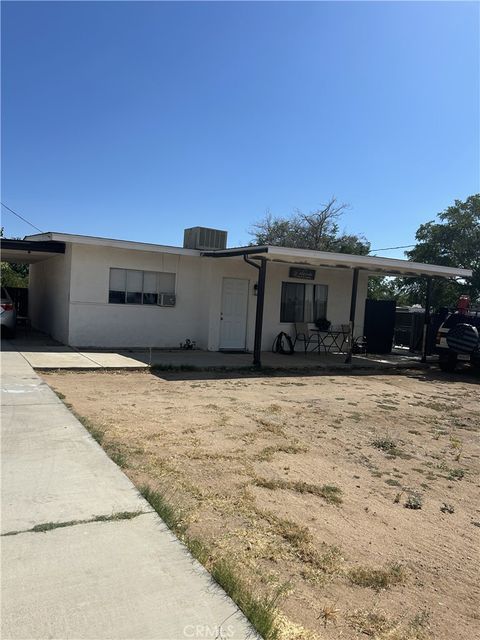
(294, 534)
(49, 526)
(120, 515)
(271, 427)
(378, 625)
(274, 408)
(377, 579)
(166, 512)
(260, 611)
(392, 482)
(414, 501)
(456, 474)
(457, 445)
(97, 434)
(386, 444)
(325, 562)
(370, 623)
(268, 453)
(437, 406)
(447, 508)
(329, 492)
(329, 613)
(118, 457)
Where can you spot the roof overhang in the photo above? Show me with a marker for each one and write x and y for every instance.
(110, 242)
(28, 251)
(373, 265)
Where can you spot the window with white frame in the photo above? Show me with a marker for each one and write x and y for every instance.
(131, 286)
(303, 302)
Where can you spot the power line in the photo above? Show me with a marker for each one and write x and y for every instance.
(405, 246)
(21, 217)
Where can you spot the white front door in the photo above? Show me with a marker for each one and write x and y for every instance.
(233, 316)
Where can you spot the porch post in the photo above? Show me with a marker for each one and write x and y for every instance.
(262, 274)
(353, 306)
(426, 319)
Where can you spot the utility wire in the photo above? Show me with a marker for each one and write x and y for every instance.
(21, 217)
(405, 246)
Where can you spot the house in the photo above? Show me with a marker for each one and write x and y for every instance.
(99, 292)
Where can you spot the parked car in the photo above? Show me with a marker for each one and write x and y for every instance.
(458, 337)
(8, 314)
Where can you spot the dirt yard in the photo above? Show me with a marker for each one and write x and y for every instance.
(357, 494)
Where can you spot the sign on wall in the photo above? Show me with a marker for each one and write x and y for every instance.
(303, 274)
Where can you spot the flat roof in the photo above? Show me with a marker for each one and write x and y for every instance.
(374, 265)
(111, 242)
(28, 251)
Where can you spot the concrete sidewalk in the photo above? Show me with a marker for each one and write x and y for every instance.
(117, 578)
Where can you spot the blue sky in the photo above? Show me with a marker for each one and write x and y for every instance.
(136, 119)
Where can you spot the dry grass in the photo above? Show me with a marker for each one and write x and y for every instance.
(268, 452)
(260, 610)
(379, 625)
(255, 476)
(330, 493)
(378, 579)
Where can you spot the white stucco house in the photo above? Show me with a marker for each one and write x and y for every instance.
(99, 292)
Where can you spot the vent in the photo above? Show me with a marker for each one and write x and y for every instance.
(204, 238)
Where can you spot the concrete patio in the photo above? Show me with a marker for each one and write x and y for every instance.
(44, 354)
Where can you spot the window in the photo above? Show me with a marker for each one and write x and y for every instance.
(130, 286)
(303, 302)
(118, 285)
(150, 289)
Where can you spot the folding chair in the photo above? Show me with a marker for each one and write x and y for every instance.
(303, 334)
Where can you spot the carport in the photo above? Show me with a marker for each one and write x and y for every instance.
(260, 256)
(29, 252)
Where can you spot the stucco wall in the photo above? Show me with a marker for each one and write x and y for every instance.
(339, 282)
(93, 322)
(214, 270)
(96, 323)
(48, 295)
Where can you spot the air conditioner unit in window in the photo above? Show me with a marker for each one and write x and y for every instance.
(167, 299)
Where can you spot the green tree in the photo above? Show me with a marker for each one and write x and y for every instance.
(318, 230)
(453, 241)
(386, 288)
(13, 274)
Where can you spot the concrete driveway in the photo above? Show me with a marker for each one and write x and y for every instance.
(113, 570)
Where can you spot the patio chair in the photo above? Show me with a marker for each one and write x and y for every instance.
(360, 345)
(303, 334)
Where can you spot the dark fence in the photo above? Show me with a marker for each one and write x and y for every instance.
(19, 296)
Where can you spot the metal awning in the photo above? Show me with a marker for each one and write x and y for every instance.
(260, 256)
(324, 259)
(29, 251)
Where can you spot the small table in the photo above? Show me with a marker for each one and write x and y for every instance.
(332, 339)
